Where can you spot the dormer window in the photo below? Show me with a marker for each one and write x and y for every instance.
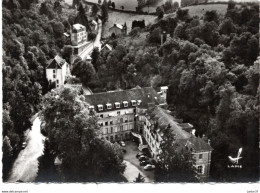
(100, 107)
(125, 103)
(133, 102)
(117, 104)
(139, 102)
(109, 106)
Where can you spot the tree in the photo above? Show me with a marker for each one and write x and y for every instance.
(92, 36)
(57, 6)
(176, 163)
(84, 70)
(113, 5)
(82, 17)
(176, 5)
(231, 4)
(155, 36)
(104, 11)
(122, 7)
(47, 171)
(160, 12)
(139, 179)
(180, 32)
(95, 9)
(182, 14)
(109, 3)
(72, 131)
(95, 56)
(211, 16)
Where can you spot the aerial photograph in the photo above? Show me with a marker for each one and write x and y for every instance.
(130, 91)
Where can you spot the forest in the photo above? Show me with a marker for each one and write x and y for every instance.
(210, 64)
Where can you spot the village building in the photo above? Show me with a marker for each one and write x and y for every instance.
(155, 119)
(57, 71)
(79, 38)
(138, 112)
(106, 48)
(118, 29)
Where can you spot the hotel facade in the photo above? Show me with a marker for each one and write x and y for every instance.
(138, 112)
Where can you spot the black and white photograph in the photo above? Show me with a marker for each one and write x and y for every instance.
(136, 93)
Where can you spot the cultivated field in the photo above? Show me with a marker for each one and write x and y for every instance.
(121, 18)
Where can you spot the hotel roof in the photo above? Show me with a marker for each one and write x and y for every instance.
(120, 96)
(182, 137)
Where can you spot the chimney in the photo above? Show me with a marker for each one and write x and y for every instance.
(209, 141)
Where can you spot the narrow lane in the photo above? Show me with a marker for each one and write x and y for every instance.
(25, 167)
(94, 44)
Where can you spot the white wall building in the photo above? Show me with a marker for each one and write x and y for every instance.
(79, 34)
(57, 71)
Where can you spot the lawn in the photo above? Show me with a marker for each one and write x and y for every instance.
(121, 18)
(199, 10)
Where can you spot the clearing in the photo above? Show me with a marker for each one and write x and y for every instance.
(121, 18)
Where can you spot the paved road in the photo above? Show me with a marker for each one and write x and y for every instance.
(25, 167)
(94, 44)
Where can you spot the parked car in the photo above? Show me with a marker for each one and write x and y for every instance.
(149, 167)
(139, 154)
(144, 163)
(24, 145)
(122, 143)
(143, 158)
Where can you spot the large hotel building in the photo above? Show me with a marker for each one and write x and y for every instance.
(138, 112)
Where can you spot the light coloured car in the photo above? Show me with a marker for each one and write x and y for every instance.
(122, 143)
(24, 145)
(149, 167)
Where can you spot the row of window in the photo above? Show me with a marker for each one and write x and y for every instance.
(118, 137)
(121, 128)
(117, 105)
(120, 120)
(112, 114)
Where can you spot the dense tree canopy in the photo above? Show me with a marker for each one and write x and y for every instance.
(72, 132)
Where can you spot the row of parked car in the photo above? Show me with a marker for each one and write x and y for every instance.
(144, 161)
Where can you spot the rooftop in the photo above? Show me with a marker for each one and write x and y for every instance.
(118, 26)
(182, 137)
(78, 27)
(55, 63)
(120, 96)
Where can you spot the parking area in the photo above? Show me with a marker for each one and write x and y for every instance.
(130, 156)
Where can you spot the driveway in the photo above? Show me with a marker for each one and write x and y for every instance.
(25, 167)
(133, 162)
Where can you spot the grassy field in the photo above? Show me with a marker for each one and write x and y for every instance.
(121, 18)
(199, 10)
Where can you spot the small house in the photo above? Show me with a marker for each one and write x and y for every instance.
(57, 71)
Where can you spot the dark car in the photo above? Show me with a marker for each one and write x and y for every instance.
(144, 163)
(123, 150)
(143, 158)
(138, 155)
